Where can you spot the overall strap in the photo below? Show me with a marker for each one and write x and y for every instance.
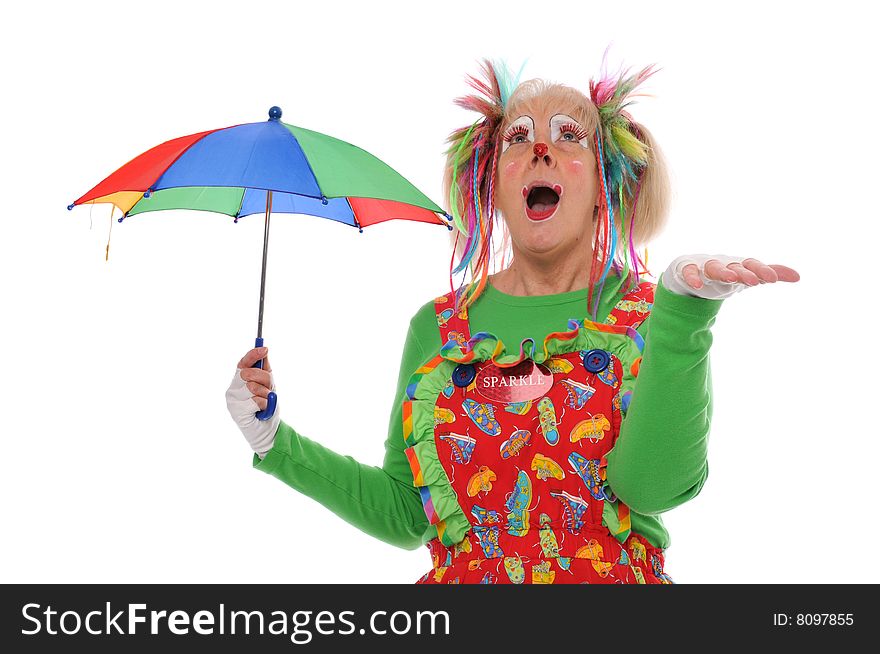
(453, 324)
(634, 307)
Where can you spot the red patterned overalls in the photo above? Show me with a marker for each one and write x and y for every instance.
(517, 489)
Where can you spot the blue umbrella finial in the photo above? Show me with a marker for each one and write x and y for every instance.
(70, 207)
(274, 113)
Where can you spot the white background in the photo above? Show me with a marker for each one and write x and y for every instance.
(119, 460)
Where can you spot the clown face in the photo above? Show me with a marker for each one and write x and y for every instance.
(547, 185)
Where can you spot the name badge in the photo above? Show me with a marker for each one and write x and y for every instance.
(520, 383)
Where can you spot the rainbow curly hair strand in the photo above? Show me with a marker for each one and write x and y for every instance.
(474, 153)
(622, 156)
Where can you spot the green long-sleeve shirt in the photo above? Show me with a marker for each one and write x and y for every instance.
(658, 462)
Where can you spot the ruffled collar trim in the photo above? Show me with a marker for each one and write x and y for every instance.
(484, 346)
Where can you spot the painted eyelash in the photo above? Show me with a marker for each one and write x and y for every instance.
(516, 129)
(578, 131)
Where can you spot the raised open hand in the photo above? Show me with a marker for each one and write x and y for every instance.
(719, 276)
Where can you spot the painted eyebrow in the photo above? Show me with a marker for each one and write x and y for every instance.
(518, 119)
(566, 117)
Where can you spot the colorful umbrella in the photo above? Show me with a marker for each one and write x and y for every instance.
(263, 168)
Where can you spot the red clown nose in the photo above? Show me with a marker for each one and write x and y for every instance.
(540, 149)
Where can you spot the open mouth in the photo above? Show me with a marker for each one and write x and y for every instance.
(542, 200)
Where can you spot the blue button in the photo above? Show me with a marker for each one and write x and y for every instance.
(463, 375)
(596, 360)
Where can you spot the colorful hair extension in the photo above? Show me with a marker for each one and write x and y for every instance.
(622, 156)
(474, 154)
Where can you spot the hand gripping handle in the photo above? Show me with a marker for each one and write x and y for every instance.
(268, 412)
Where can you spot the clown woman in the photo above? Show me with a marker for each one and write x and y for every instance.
(550, 412)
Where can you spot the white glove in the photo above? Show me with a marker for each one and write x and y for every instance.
(712, 289)
(260, 434)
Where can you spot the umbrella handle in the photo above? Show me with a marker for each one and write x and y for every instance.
(269, 411)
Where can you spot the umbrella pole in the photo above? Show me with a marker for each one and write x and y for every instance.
(266, 413)
(263, 275)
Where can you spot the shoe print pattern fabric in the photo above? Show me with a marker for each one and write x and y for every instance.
(517, 490)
